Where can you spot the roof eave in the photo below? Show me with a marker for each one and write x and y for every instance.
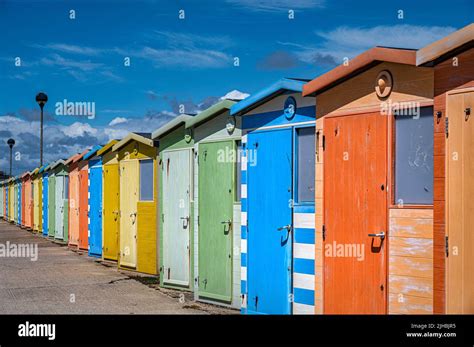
(266, 94)
(442, 49)
(360, 63)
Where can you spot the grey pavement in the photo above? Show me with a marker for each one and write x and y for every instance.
(66, 282)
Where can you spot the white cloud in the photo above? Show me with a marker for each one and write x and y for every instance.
(118, 120)
(235, 95)
(277, 5)
(185, 57)
(348, 42)
(72, 49)
(78, 129)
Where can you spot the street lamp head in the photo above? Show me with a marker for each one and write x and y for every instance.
(41, 99)
(11, 142)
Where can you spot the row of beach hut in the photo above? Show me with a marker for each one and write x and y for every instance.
(348, 193)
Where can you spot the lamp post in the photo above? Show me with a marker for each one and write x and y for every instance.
(11, 143)
(41, 99)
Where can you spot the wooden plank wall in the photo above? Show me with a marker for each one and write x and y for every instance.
(446, 77)
(319, 208)
(410, 261)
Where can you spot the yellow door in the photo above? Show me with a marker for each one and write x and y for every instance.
(111, 211)
(128, 212)
(460, 204)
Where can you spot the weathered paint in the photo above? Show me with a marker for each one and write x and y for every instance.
(45, 191)
(18, 183)
(111, 205)
(61, 201)
(2, 200)
(36, 191)
(174, 137)
(28, 202)
(128, 212)
(137, 236)
(95, 207)
(176, 216)
(216, 211)
(51, 204)
(83, 242)
(269, 202)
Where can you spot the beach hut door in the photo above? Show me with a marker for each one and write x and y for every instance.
(460, 204)
(269, 222)
(216, 198)
(59, 207)
(176, 216)
(129, 179)
(355, 191)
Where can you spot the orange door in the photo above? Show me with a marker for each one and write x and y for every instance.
(73, 207)
(355, 176)
(83, 207)
(460, 204)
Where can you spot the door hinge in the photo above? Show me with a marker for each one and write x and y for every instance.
(198, 219)
(324, 232)
(324, 142)
(447, 246)
(446, 126)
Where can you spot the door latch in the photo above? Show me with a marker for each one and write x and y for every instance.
(287, 227)
(380, 234)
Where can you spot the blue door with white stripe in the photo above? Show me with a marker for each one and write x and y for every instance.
(269, 222)
(95, 208)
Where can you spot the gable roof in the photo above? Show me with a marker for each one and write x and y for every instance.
(107, 147)
(251, 102)
(92, 152)
(144, 138)
(357, 65)
(172, 124)
(447, 46)
(59, 162)
(210, 112)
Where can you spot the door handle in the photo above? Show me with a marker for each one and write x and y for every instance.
(380, 234)
(229, 224)
(187, 221)
(287, 227)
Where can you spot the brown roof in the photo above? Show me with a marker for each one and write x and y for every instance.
(360, 63)
(441, 49)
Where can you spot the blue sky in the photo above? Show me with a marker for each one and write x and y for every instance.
(177, 61)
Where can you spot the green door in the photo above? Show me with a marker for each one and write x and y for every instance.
(216, 198)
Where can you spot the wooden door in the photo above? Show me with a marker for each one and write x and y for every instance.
(45, 206)
(460, 203)
(35, 205)
(176, 216)
(111, 211)
(51, 205)
(216, 199)
(83, 208)
(355, 176)
(73, 207)
(270, 211)
(129, 179)
(95, 209)
(40, 204)
(59, 218)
